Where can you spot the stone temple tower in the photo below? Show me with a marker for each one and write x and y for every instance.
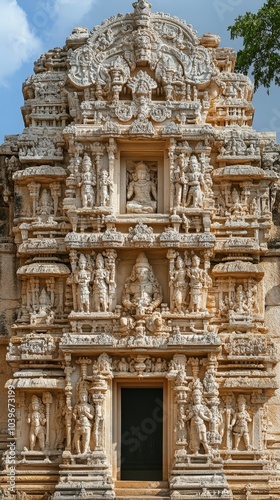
(139, 261)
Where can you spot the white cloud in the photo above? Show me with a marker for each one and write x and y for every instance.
(70, 13)
(17, 40)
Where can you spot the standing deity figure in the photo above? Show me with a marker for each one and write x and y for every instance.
(142, 293)
(198, 415)
(98, 425)
(195, 182)
(196, 276)
(252, 299)
(82, 278)
(106, 188)
(141, 191)
(237, 210)
(240, 304)
(181, 425)
(180, 181)
(179, 284)
(37, 419)
(239, 424)
(88, 181)
(60, 424)
(101, 280)
(83, 414)
(45, 205)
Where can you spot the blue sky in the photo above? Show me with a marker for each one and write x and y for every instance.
(30, 27)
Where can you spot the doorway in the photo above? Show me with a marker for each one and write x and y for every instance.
(141, 434)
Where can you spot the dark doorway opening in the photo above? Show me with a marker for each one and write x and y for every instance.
(141, 434)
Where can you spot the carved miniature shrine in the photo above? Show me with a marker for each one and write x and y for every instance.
(140, 295)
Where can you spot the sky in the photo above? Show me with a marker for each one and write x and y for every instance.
(30, 27)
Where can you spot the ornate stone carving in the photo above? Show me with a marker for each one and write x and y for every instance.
(88, 182)
(239, 424)
(142, 292)
(60, 423)
(37, 420)
(141, 191)
(198, 414)
(178, 283)
(83, 417)
(82, 279)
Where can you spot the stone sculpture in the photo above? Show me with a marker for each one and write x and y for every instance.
(37, 420)
(239, 424)
(82, 278)
(198, 415)
(142, 293)
(83, 417)
(88, 182)
(101, 279)
(141, 191)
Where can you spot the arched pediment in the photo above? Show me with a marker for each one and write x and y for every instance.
(156, 42)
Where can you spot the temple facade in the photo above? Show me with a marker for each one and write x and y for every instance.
(140, 273)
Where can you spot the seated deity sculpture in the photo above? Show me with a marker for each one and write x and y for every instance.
(142, 293)
(141, 191)
(42, 312)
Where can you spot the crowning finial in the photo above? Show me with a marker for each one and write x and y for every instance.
(142, 11)
(142, 7)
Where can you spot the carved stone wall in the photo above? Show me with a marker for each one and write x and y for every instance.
(139, 246)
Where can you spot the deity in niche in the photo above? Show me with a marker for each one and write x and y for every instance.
(198, 415)
(240, 305)
(181, 425)
(82, 278)
(195, 181)
(83, 414)
(37, 419)
(180, 181)
(237, 209)
(101, 279)
(45, 205)
(60, 426)
(98, 430)
(106, 188)
(42, 313)
(142, 293)
(88, 182)
(197, 279)
(179, 285)
(141, 191)
(239, 424)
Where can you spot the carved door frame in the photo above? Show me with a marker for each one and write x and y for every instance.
(137, 383)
